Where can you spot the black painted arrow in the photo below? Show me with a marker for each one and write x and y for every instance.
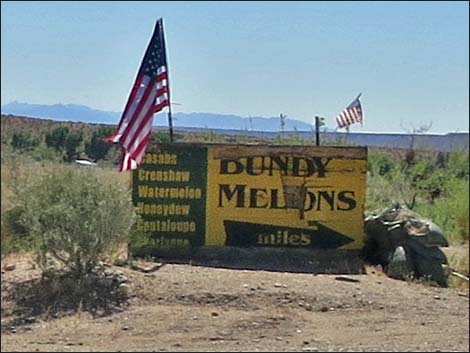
(254, 234)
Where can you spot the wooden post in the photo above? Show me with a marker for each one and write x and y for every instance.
(317, 130)
(170, 122)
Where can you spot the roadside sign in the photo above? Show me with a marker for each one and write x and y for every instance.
(192, 195)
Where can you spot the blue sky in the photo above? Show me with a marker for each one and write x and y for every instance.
(410, 60)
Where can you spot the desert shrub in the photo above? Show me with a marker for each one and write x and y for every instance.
(45, 153)
(435, 186)
(96, 148)
(17, 174)
(458, 164)
(24, 141)
(72, 142)
(160, 136)
(65, 141)
(451, 212)
(57, 137)
(381, 164)
(76, 218)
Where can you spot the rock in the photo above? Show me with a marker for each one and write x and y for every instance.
(430, 265)
(108, 273)
(346, 279)
(121, 279)
(105, 282)
(147, 269)
(120, 262)
(406, 245)
(30, 320)
(123, 289)
(214, 313)
(277, 285)
(9, 267)
(400, 266)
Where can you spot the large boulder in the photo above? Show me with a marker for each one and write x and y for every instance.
(405, 244)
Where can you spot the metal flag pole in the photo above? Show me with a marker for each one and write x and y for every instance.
(170, 120)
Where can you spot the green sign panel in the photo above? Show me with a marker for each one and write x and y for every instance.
(170, 194)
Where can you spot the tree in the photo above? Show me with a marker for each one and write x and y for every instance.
(97, 148)
(73, 140)
(24, 141)
(57, 137)
(413, 131)
(65, 141)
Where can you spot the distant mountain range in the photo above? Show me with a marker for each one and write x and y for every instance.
(237, 125)
(81, 113)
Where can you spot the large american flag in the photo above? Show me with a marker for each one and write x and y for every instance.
(351, 114)
(149, 95)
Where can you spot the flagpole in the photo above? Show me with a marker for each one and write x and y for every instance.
(170, 120)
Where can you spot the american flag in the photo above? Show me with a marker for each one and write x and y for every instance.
(149, 95)
(352, 114)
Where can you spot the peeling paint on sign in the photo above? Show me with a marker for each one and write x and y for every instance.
(249, 195)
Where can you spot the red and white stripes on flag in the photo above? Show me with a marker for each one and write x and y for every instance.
(149, 95)
(351, 114)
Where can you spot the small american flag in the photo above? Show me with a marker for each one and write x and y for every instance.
(149, 95)
(352, 114)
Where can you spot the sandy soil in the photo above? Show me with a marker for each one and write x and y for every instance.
(191, 308)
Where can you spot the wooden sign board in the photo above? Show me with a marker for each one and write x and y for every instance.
(193, 195)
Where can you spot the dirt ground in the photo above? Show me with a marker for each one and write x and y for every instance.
(192, 308)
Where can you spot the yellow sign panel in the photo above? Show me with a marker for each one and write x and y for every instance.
(269, 196)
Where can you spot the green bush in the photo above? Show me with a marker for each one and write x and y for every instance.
(451, 212)
(97, 148)
(160, 136)
(44, 153)
(57, 137)
(76, 218)
(24, 141)
(458, 164)
(381, 164)
(435, 186)
(65, 141)
(73, 141)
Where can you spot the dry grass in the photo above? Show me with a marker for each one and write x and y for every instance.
(458, 257)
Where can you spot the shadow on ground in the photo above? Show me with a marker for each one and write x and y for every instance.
(59, 296)
(266, 259)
